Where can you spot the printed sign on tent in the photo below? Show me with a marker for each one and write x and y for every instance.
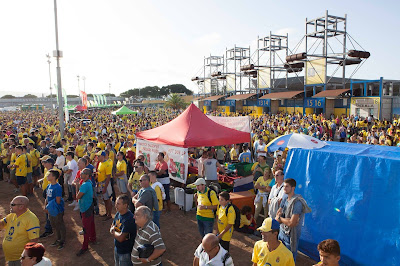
(241, 123)
(176, 158)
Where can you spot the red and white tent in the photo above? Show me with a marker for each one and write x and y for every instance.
(193, 129)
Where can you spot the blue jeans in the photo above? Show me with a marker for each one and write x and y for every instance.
(122, 259)
(47, 227)
(286, 241)
(205, 227)
(156, 218)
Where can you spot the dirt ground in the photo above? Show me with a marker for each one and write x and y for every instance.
(179, 232)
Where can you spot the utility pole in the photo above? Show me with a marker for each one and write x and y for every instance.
(57, 53)
(79, 90)
(51, 89)
(84, 84)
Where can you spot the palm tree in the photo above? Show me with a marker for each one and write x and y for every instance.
(174, 101)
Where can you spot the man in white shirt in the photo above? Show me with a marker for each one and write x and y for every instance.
(60, 163)
(70, 175)
(210, 169)
(210, 252)
(276, 194)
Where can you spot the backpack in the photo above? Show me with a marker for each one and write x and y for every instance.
(236, 225)
(224, 258)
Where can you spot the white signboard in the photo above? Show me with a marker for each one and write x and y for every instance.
(241, 123)
(176, 158)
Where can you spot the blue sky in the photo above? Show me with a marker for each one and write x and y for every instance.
(132, 44)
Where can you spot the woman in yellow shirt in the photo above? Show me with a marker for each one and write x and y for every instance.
(225, 220)
(121, 173)
(263, 186)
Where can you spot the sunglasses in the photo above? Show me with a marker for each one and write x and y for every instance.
(15, 204)
(22, 258)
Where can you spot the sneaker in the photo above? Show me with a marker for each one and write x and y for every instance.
(82, 232)
(72, 204)
(76, 208)
(46, 234)
(81, 252)
(60, 246)
(55, 244)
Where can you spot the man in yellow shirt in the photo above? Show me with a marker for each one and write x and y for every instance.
(158, 187)
(21, 226)
(226, 219)
(329, 253)
(35, 156)
(104, 182)
(21, 167)
(269, 250)
(207, 202)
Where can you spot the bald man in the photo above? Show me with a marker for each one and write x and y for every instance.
(210, 252)
(21, 226)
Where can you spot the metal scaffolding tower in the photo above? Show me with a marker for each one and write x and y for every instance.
(236, 80)
(271, 53)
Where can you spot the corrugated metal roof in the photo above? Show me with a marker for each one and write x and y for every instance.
(241, 96)
(330, 93)
(281, 95)
(214, 98)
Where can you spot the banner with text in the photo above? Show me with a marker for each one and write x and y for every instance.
(230, 82)
(84, 99)
(316, 71)
(264, 78)
(241, 123)
(176, 158)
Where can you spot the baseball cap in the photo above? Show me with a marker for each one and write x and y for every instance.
(44, 158)
(101, 153)
(50, 160)
(268, 225)
(200, 181)
(60, 149)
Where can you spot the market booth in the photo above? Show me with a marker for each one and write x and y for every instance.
(190, 129)
(354, 193)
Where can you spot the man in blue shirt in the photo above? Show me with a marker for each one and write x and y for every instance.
(55, 208)
(123, 229)
(85, 197)
(245, 156)
(291, 216)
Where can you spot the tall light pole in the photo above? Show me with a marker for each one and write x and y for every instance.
(79, 89)
(57, 53)
(84, 84)
(51, 89)
(109, 87)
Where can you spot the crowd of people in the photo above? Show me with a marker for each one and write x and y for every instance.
(95, 162)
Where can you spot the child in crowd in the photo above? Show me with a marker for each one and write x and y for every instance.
(247, 223)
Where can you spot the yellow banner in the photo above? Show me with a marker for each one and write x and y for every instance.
(316, 71)
(230, 82)
(207, 86)
(264, 78)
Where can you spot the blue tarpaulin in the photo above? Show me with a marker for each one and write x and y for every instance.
(354, 193)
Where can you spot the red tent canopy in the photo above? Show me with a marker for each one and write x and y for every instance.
(192, 128)
(80, 108)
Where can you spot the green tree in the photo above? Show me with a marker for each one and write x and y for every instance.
(8, 96)
(109, 94)
(175, 101)
(30, 96)
(72, 96)
(51, 96)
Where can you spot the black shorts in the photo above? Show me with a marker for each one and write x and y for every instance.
(36, 172)
(5, 168)
(21, 180)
